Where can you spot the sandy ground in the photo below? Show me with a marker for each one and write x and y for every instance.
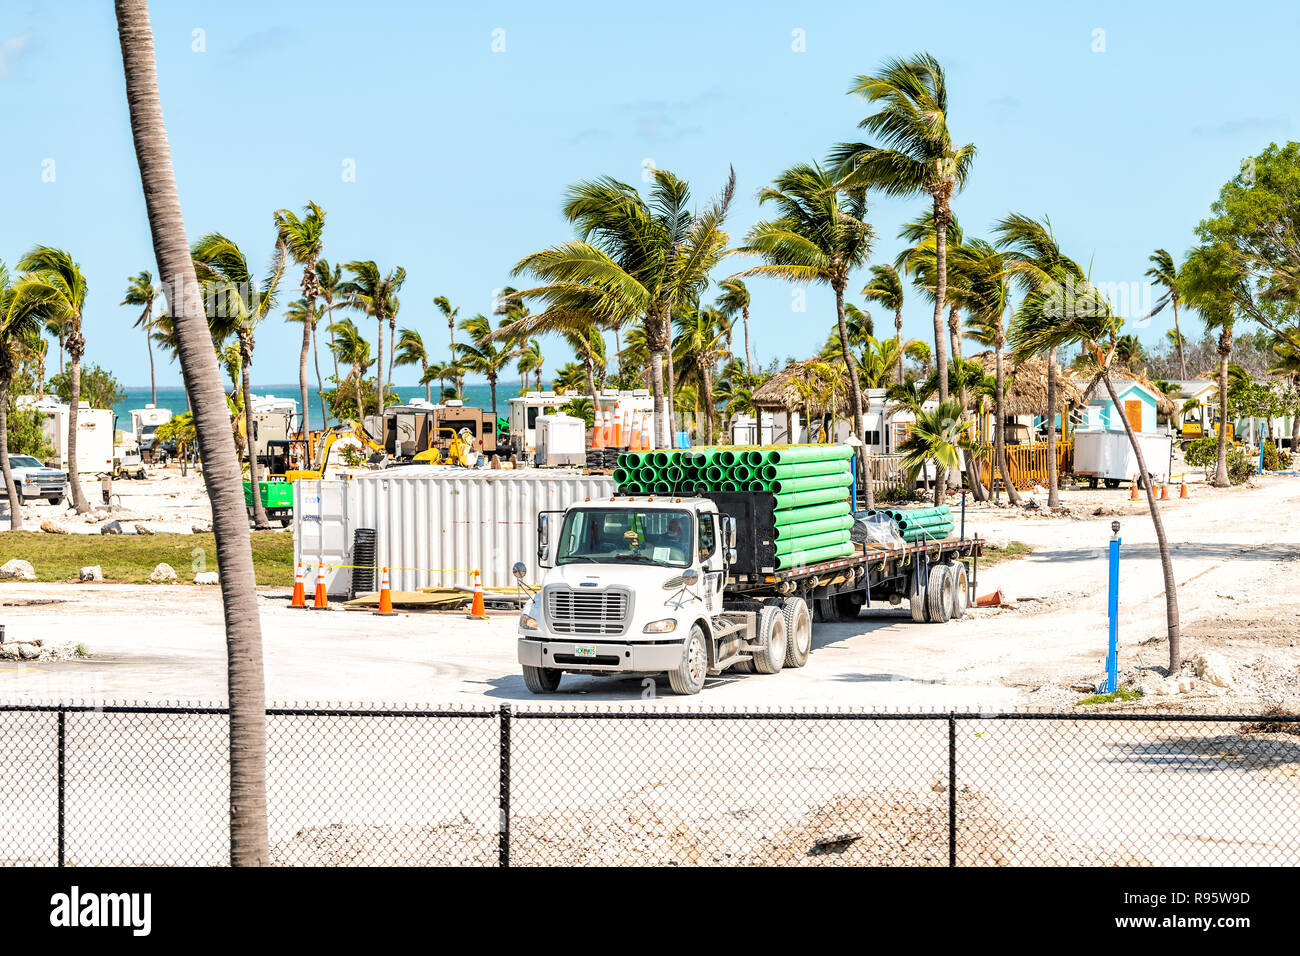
(1236, 557)
(807, 792)
(164, 501)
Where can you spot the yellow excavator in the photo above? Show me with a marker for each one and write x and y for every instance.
(460, 450)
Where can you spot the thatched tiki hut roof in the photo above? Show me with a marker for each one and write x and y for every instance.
(1026, 385)
(781, 394)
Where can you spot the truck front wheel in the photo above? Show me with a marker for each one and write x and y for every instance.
(688, 676)
(542, 680)
(798, 631)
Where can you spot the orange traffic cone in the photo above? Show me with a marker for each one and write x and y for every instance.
(598, 430)
(617, 425)
(1182, 493)
(477, 611)
(990, 600)
(1133, 490)
(385, 596)
(1164, 491)
(322, 602)
(635, 444)
(299, 594)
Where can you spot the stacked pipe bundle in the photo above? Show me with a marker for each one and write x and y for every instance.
(809, 485)
(921, 524)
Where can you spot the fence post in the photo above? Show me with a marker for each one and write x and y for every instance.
(952, 789)
(62, 781)
(503, 793)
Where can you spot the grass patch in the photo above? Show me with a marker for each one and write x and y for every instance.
(1014, 549)
(1124, 694)
(130, 559)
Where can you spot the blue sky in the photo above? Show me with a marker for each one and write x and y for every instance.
(462, 153)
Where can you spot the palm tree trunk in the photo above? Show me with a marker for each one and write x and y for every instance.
(589, 367)
(392, 337)
(320, 384)
(153, 384)
(1221, 479)
(428, 385)
(379, 376)
(940, 291)
(254, 469)
(1182, 359)
(657, 393)
(1053, 493)
(855, 385)
(669, 386)
(706, 375)
(898, 337)
(1166, 559)
(361, 374)
(749, 363)
(15, 501)
(75, 345)
(329, 327)
(999, 446)
(302, 364)
(492, 384)
(221, 473)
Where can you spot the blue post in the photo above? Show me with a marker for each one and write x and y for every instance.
(1112, 610)
(853, 485)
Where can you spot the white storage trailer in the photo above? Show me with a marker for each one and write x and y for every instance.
(1107, 455)
(94, 437)
(432, 525)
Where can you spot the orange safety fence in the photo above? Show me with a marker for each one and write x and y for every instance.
(1027, 464)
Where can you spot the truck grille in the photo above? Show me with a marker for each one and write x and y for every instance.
(586, 612)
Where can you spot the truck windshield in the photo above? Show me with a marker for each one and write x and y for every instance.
(610, 535)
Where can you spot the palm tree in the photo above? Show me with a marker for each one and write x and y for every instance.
(530, 361)
(483, 356)
(297, 312)
(1286, 364)
(1060, 310)
(444, 372)
(988, 296)
(410, 350)
(1164, 273)
(735, 298)
(301, 237)
(17, 333)
(237, 305)
(52, 290)
(817, 238)
(634, 260)
(373, 293)
(450, 314)
(698, 343)
(142, 292)
(886, 288)
(221, 474)
(918, 156)
(936, 436)
(1035, 259)
(350, 346)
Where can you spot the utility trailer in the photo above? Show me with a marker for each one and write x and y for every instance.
(691, 586)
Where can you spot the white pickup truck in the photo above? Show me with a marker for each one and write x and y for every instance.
(649, 586)
(34, 480)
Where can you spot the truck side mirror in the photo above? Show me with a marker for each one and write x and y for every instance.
(728, 531)
(690, 577)
(543, 540)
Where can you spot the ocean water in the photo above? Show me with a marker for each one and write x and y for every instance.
(476, 395)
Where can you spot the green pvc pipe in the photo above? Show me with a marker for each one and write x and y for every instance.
(753, 485)
(646, 475)
(741, 473)
(619, 475)
(662, 488)
(659, 459)
(729, 486)
(674, 473)
(753, 458)
(631, 488)
(798, 499)
(726, 458)
(810, 541)
(713, 475)
(686, 487)
(807, 469)
(766, 472)
(784, 485)
(811, 513)
(815, 555)
(814, 526)
(792, 454)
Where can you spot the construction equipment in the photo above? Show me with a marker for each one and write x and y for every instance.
(460, 450)
(288, 459)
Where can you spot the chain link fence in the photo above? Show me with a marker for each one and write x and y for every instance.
(146, 785)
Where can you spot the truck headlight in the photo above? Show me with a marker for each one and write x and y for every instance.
(527, 622)
(660, 627)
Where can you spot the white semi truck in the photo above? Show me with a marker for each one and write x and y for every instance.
(689, 587)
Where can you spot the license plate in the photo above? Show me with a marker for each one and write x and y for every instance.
(584, 650)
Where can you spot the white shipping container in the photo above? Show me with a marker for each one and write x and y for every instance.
(434, 526)
(1101, 453)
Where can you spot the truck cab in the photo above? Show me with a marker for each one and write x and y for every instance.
(635, 587)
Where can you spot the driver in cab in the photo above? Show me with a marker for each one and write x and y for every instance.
(675, 541)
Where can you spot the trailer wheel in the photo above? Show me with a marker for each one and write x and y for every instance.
(916, 598)
(688, 676)
(542, 680)
(827, 609)
(849, 604)
(960, 589)
(772, 640)
(938, 595)
(798, 631)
